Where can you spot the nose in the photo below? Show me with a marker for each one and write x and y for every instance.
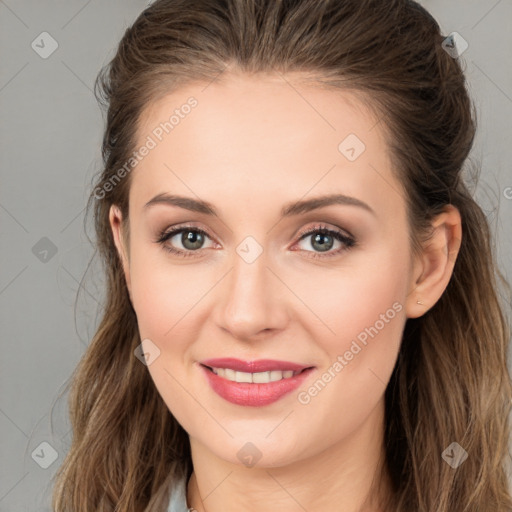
(252, 299)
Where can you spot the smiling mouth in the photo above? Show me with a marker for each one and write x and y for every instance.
(254, 377)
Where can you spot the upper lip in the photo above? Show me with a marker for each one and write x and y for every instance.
(260, 365)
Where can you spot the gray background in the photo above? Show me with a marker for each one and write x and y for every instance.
(50, 136)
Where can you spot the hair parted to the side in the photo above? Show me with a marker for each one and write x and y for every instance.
(451, 381)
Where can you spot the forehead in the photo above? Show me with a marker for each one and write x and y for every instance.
(249, 134)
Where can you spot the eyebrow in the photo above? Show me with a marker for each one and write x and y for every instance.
(288, 210)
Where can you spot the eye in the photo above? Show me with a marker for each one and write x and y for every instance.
(323, 240)
(192, 240)
(190, 237)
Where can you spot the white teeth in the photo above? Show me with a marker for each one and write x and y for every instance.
(243, 377)
(228, 373)
(259, 378)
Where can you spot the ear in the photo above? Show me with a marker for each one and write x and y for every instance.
(115, 219)
(434, 267)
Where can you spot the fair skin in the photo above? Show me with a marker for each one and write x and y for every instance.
(251, 146)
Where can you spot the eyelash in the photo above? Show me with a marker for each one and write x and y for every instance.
(348, 241)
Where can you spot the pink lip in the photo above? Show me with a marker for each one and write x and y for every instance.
(261, 365)
(251, 394)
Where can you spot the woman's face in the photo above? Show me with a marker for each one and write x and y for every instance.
(253, 286)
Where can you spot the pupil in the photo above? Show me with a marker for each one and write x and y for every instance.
(321, 237)
(192, 237)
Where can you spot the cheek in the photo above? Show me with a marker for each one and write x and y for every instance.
(362, 315)
(356, 294)
(164, 296)
(163, 293)
(364, 309)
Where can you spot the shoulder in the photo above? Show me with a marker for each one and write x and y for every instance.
(178, 493)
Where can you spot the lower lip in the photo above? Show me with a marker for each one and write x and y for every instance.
(254, 395)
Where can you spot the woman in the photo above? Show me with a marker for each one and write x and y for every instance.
(302, 309)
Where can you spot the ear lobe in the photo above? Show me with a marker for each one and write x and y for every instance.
(436, 262)
(115, 219)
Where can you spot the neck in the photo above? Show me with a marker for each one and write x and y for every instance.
(346, 476)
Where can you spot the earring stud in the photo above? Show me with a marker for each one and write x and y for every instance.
(419, 302)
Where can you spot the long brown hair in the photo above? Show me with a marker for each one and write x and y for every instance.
(450, 383)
